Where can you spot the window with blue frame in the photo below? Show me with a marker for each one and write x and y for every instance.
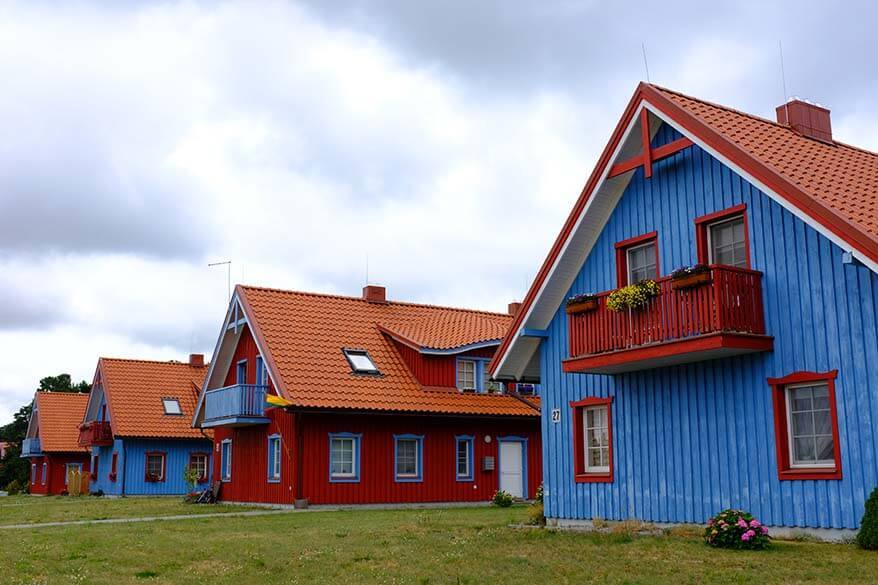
(464, 457)
(261, 372)
(33, 474)
(408, 453)
(344, 457)
(274, 458)
(45, 471)
(226, 460)
(241, 375)
(473, 376)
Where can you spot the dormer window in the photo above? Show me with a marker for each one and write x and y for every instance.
(172, 406)
(466, 375)
(360, 361)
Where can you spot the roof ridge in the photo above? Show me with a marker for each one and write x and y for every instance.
(360, 299)
(145, 361)
(760, 119)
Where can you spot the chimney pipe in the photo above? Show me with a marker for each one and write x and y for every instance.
(375, 293)
(196, 359)
(806, 119)
(513, 308)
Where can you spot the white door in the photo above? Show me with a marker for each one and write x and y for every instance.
(512, 468)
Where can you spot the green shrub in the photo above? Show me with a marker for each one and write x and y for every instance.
(736, 529)
(535, 515)
(867, 537)
(14, 487)
(539, 497)
(502, 499)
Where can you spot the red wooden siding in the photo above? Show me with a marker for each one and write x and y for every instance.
(55, 472)
(436, 370)
(246, 350)
(732, 301)
(377, 484)
(250, 461)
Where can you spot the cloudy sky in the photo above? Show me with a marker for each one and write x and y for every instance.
(443, 143)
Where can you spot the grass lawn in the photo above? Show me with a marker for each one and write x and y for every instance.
(463, 545)
(32, 509)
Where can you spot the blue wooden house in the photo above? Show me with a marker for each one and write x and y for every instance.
(739, 368)
(137, 427)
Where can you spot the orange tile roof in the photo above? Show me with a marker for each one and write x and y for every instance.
(303, 335)
(449, 329)
(134, 391)
(58, 418)
(843, 178)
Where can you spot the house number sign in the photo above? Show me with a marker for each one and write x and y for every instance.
(556, 415)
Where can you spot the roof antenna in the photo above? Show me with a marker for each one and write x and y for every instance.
(228, 264)
(783, 80)
(645, 62)
(367, 268)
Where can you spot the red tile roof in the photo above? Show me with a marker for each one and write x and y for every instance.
(449, 329)
(58, 417)
(135, 388)
(841, 177)
(302, 335)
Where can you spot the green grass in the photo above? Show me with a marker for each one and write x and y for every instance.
(463, 545)
(33, 509)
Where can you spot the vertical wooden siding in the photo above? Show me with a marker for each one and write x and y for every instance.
(56, 470)
(436, 370)
(690, 440)
(377, 484)
(249, 481)
(131, 466)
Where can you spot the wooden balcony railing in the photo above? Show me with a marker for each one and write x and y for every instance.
(730, 302)
(235, 404)
(95, 433)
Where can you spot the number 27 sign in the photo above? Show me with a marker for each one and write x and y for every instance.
(556, 415)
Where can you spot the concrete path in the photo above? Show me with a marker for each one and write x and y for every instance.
(144, 519)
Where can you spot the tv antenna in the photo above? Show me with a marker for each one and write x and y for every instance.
(645, 62)
(783, 80)
(228, 265)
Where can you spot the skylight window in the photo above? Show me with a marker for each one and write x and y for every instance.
(172, 406)
(360, 361)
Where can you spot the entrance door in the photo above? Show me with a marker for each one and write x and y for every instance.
(512, 468)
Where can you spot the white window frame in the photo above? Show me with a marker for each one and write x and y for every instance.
(176, 401)
(344, 474)
(791, 439)
(475, 367)
(161, 475)
(585, 436)
(628, 252)
(192, 457)
(711, 256)
(468, 443)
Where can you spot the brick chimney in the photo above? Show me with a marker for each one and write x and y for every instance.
(513, 308)
(196, 359)
(375, 293)
(806, 118)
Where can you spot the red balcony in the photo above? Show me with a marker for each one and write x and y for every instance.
(95, 434)
(719, 318)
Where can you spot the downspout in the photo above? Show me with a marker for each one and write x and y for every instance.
(124, 463)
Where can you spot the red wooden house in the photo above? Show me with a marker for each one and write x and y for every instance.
(51, 442)
(347, 400)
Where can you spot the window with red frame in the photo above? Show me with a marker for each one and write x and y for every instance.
(723, 238)
(593, 440)
(806, 426)
(113, 463)
(155, 467)
(95, 459)
(637, 259)
(198, 462)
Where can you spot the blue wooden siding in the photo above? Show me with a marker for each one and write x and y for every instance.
(131, 466)
(690, 440)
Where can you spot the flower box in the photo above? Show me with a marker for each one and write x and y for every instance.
(690, 280)
(582, 306)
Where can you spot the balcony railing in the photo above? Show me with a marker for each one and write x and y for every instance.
(241, 404)
(95, 433)
(730, 302)
(31, 448)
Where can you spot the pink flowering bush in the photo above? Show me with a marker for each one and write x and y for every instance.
(736, 529)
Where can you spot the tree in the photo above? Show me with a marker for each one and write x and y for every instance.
(12, 466)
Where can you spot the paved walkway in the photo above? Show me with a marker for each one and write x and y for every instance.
(143, 519)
